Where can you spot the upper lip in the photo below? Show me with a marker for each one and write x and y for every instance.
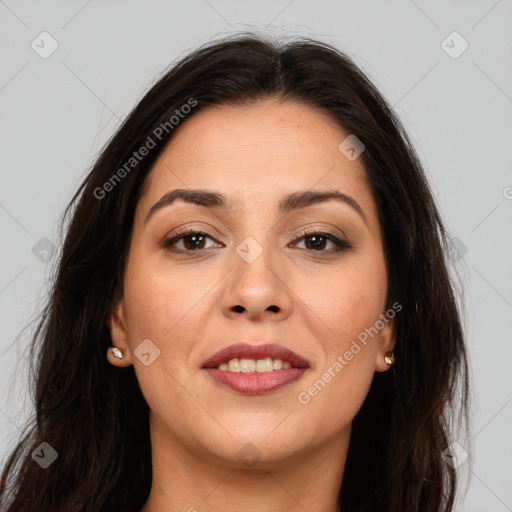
(260, 351)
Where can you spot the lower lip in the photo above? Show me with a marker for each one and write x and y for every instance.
(256, 383)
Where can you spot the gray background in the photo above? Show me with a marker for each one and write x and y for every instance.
(57, 112)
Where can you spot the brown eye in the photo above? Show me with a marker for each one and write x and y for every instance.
(317, 241)
(192, 241)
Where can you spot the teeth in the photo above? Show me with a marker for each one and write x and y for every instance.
(264, 365)
(251, 366)
(247, 365)
(234, 365)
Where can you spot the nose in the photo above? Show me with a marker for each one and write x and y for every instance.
(257, 290)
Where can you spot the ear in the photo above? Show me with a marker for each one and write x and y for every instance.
(386, 341)
(119, 335)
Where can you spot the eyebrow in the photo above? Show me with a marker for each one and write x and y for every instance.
(217, 201)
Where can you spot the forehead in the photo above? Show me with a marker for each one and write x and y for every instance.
(257, 153)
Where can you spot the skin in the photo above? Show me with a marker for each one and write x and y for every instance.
(185, 303)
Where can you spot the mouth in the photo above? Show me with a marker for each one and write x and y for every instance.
(255, 369)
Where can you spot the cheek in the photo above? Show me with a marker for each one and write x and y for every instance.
(167, 308)
(150, 307)
(346, 303)
(156, 309)
(338, 386)
(156, 301)
(349, 303)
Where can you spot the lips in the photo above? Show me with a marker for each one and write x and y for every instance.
(246, 351)
(256, 383)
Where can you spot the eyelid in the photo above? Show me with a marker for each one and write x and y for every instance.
(207, 231)
(312, 229)
(304, 231)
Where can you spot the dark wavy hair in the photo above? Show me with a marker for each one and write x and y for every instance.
(95, 416)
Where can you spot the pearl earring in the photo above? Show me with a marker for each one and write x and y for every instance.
(117, 352)
(389, 357)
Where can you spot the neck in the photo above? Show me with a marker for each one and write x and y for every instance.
(192, 480)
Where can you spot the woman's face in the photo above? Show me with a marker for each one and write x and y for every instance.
(254, 277)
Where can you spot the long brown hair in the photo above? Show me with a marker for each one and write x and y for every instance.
(95, 416)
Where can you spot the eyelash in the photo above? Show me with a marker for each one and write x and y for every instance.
(342, 245)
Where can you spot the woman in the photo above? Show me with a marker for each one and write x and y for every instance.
(258, 254)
